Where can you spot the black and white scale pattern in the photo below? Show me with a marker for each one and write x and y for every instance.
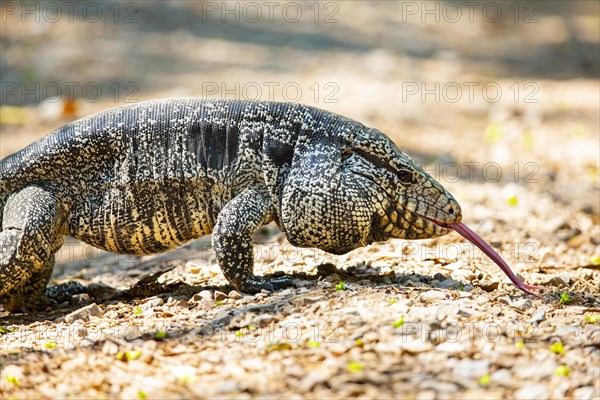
(149, 177)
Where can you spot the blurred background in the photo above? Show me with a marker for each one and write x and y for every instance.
(498, 100)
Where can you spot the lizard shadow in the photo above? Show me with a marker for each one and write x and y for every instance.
(149, 286)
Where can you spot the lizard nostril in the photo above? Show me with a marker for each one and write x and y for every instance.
(451, 210)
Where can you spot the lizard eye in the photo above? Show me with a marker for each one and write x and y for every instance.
(406, 176)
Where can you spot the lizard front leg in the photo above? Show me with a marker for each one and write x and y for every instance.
(232, 241)
(28, 241)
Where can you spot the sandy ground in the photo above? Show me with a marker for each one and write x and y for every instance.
(502, 111)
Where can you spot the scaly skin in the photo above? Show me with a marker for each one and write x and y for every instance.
(149, 177)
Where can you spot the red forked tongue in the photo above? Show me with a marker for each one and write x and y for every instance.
(472, 237)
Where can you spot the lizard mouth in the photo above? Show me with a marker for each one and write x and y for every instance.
(472, 237)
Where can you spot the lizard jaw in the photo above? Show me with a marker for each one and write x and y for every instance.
(472, 237)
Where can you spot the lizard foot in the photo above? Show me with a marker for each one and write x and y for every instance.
(64, 291)
(255, 284)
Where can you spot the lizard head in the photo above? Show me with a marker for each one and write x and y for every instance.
(408, 202)
(361, 189)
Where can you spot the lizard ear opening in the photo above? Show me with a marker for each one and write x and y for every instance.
(346, 153)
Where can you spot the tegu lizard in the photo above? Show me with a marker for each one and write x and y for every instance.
(149, 177)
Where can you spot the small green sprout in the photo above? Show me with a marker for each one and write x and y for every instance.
(50, 345)
(595, 260)
(132, 355)
(565, 298)
(359, 342)
(557, 348)
(340, 286)
(218, 303)
(160, 335)
(592, 319)
(4, 330)
(512, 201)
(240, 332)
(313, 343)
(562, 370)
(13, 379)
(484, 380)
(528, 140)
(494, 133)
(128, 355)
(520, 345)
(142, 395)
(578, 131)
(137, 310)
(355, 366)
(278, 346)
(394, 300)
(399, 322)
